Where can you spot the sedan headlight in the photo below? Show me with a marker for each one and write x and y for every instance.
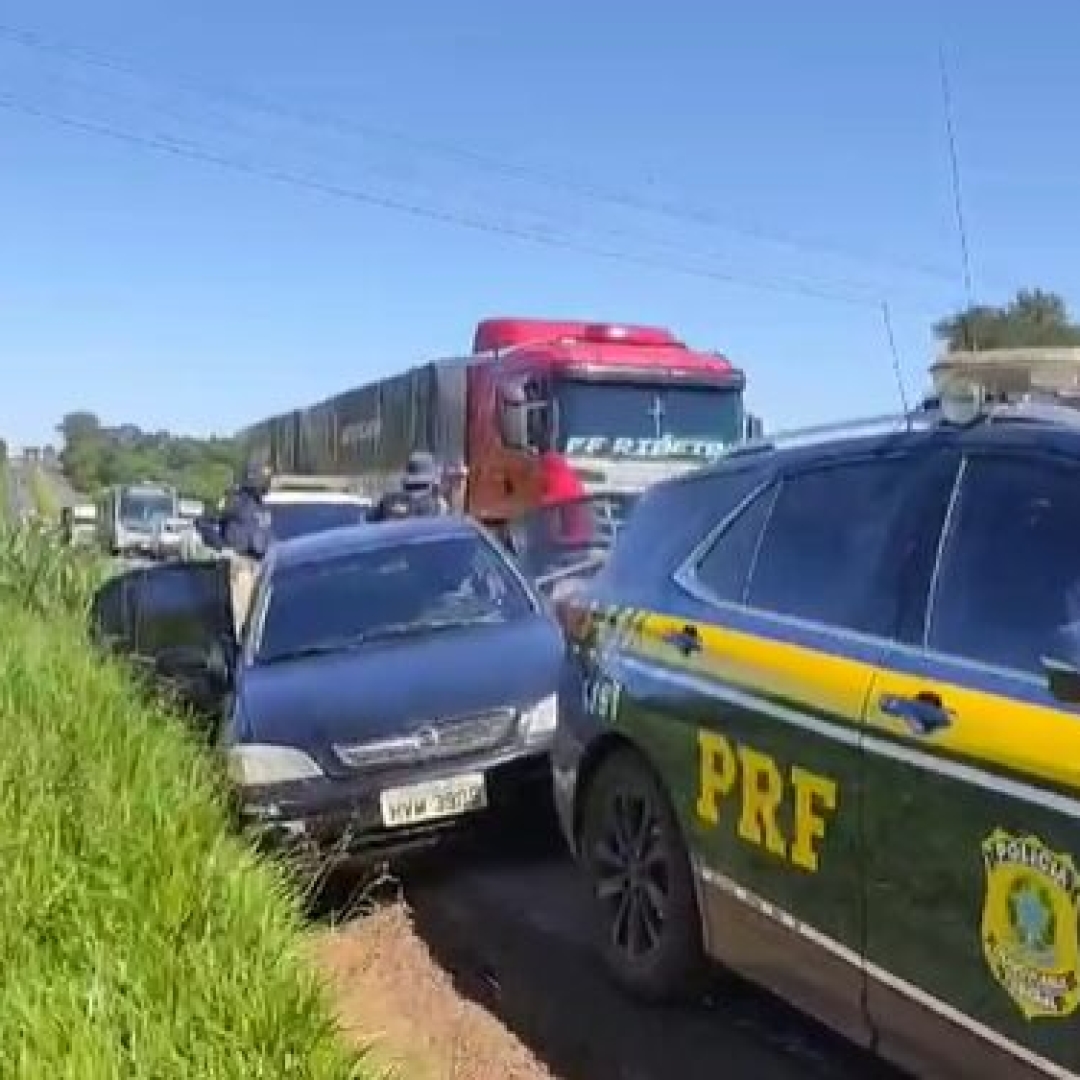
(538, 723)
(259, 764)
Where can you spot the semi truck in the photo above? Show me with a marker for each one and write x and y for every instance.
(539, 412)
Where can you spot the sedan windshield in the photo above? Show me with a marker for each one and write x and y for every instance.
(289, 520)
(412, 588)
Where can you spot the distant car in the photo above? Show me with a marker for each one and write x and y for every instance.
(394, 681)
(170, 535)
(293, 513)
(78, 523)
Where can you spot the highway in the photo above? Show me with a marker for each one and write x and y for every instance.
(21, 490)
(22, 502)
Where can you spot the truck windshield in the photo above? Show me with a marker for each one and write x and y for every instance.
(601, 418)
(146, 506)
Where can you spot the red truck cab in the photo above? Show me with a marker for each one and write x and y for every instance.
(559, 410)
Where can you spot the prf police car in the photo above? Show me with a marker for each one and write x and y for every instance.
(822, 726)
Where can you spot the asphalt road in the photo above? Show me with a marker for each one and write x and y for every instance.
(21, 492)
(63, 492)
(511, 928)
(22, 502)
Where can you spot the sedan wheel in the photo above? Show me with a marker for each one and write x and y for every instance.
(642, 885)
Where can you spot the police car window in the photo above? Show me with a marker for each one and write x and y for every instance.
(726, 566)
(824, 554)
(1010, 574)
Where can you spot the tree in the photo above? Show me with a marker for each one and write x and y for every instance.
(78, 427)
(1034, 318)
(96, 456)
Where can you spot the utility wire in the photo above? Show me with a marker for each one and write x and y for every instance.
(582, 189)
(85, 89)
(184, 148)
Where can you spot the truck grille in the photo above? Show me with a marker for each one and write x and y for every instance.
(442, 739)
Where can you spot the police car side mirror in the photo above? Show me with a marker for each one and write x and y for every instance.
(1061, 663)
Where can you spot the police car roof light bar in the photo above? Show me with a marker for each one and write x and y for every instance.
(883, 424)
(1043, 407)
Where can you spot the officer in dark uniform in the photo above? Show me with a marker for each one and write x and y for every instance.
(419, 495)
(244, 525)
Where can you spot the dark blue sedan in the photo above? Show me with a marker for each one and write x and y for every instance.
(393, 681)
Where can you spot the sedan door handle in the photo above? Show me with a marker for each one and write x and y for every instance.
(924, 713)
(687, 640)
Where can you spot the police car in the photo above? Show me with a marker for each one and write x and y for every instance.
(821, 725)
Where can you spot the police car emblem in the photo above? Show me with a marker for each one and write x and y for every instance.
(1029, 924)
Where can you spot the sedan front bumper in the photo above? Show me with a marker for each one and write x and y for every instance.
(327, 821)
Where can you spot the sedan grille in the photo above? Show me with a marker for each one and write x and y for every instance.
(441, 739)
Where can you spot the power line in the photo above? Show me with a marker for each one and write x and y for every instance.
(195, 152)
(616, 197)
(620, 234)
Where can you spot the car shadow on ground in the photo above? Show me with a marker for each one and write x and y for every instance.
(504, 914)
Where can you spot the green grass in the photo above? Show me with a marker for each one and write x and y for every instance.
(41, 575)
(139, 937)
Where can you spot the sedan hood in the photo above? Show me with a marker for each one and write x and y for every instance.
(399, 686)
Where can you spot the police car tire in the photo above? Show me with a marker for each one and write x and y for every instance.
(672, 972)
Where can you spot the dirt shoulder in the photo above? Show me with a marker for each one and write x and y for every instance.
(484, 971)
(393, 995)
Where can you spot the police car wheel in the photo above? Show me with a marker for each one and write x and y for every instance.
(642, 885)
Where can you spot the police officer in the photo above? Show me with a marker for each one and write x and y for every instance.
(243, 521)
(420, 494)
(246, 535)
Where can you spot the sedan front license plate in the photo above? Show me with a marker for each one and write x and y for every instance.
(433, 800)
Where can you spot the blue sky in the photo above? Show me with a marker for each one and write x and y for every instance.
(796, 152)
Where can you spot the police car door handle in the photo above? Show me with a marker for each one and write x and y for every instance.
(924, 713)
(687, 640)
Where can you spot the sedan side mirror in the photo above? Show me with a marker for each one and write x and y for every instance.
(1061, 663)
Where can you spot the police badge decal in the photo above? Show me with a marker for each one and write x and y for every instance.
(1029, 924)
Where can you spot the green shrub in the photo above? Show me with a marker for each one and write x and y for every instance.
(139, 937)
(42, 575)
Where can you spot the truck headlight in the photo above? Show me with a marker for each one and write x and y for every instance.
(260, 764)
(538, 722)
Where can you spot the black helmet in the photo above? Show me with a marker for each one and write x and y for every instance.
(256, 477)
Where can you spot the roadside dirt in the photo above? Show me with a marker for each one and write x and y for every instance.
(393, 995)
(482, 970)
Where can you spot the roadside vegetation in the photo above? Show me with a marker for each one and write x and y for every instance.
(1034, 318)
(139, 937)
(94, 456)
